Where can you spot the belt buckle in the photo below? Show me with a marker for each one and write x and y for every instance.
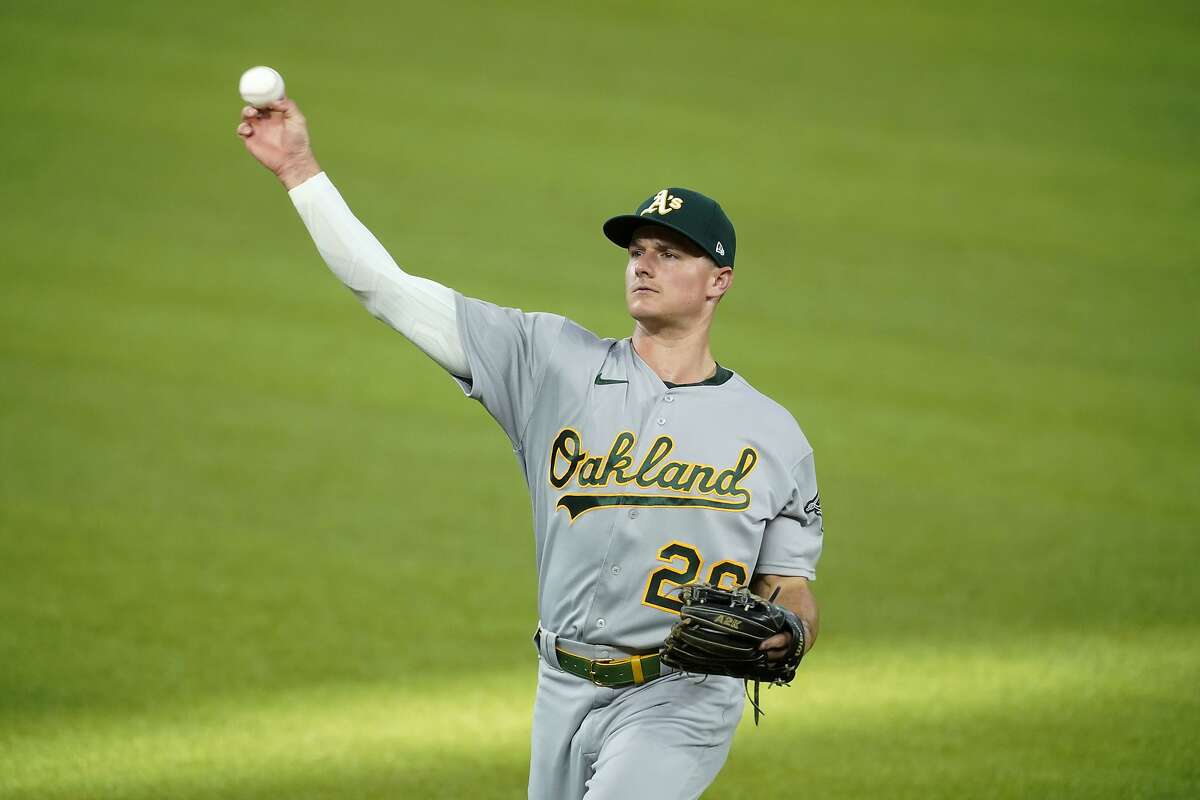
(591, 673)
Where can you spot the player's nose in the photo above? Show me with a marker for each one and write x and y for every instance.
(643, 266)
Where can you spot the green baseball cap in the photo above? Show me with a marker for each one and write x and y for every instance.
(696, 216)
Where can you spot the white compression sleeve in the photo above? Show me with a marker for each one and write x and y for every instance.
(420, 309)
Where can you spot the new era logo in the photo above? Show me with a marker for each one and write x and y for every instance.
(720, 248)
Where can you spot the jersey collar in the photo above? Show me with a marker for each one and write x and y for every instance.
(721, 376)
(717, 378)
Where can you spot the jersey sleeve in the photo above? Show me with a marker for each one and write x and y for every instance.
(791, 543)
(509, 352)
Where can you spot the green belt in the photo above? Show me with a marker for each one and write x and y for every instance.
(610, 672)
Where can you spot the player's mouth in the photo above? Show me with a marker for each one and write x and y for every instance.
(638, 289)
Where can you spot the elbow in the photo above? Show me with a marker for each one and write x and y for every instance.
(371, 301)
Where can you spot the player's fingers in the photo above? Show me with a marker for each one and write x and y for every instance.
(245, 130)
(777, 653)
(249, 112)
(289, 109)
(777, 642)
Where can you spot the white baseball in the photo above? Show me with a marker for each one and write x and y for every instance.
(261, 86)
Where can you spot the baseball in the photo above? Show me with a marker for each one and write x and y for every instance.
(261, 86)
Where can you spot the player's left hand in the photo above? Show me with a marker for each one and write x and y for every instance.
(778, 646)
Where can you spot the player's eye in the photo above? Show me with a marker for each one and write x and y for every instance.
(669, 254)
(634, 252)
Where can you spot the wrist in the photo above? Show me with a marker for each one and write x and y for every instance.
(293, 174)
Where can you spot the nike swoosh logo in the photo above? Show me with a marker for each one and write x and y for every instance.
(606, 382)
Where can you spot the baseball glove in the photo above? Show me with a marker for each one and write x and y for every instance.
(719, 631)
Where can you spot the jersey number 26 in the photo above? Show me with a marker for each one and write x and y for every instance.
(684, 564)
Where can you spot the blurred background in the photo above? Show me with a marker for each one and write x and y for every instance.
(253, 543)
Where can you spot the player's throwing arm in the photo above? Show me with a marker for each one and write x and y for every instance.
(276, 134)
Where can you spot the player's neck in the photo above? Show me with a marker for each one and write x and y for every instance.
(675, 356)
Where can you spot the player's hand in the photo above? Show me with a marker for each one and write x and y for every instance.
(278, 137)
(777, 646)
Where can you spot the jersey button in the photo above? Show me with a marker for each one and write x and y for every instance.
(669, 398)
(661, 420)
(600, 623)
(616, 570)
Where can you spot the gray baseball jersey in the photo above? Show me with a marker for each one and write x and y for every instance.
(638, 486)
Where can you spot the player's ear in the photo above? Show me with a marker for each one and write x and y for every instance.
(720, 282)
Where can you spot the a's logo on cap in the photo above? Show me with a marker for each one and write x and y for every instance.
(720, 248)
(663, 203)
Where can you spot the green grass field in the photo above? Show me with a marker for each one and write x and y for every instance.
(249, 537)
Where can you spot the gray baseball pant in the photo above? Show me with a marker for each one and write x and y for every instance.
(666, 739)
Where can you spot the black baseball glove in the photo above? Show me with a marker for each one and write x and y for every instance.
(719, 631)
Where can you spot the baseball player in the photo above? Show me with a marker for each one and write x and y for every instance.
(650, 466)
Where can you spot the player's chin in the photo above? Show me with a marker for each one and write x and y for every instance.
(643, 298)
(642, 306)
